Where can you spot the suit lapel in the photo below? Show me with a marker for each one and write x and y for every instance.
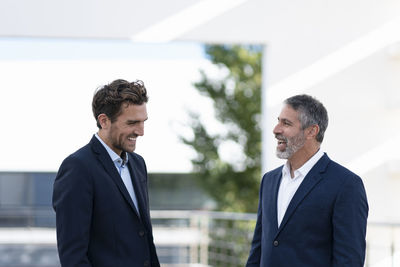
(109, 167)
(274, 208)
(309, 182)
(137, 181)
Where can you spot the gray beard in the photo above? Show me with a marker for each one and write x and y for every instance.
(293, 145)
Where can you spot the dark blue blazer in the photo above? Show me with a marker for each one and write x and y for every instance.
(324, 225)
(97, 223)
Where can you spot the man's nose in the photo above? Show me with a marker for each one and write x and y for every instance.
(140, 129)
(277, 129)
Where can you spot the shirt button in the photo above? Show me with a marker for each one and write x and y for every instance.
(146, 263)
(276, 243)
(141, 233)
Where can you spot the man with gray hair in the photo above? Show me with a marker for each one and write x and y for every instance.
(312, 211)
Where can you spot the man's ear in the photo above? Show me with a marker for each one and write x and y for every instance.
(312, 131)
(104, 121)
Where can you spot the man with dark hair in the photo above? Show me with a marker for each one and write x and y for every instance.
(100, 191)
(312, 211)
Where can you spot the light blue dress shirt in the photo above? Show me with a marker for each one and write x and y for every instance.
(122, 169)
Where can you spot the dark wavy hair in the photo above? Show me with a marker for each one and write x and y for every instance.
(311, 111)
(109, 98)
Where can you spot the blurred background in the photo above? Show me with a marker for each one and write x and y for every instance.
(217, 73)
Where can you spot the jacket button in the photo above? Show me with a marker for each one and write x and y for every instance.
(146, 263)
(141, 233)
(276, 243)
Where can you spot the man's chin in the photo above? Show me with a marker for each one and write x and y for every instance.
(282, 154)
(129, 149)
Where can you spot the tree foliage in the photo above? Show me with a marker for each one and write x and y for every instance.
(237, 104)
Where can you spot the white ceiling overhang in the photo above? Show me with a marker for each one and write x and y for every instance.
(248, 21)
(298, 33)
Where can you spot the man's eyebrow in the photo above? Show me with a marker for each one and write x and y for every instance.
(133, 121)
(285, 121)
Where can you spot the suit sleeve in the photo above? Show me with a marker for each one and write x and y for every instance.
(349, 224)
(255, 250)
(72, 202)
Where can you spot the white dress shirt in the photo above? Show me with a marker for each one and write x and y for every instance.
(289, 185)
(123, 170)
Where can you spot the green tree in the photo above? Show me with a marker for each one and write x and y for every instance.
(237, 103)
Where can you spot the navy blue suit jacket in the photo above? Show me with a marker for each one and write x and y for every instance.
(324, 225)
(97, 223)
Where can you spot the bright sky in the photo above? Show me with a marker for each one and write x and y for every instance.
(47, 88)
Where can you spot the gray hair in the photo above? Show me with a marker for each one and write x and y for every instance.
(311, 112)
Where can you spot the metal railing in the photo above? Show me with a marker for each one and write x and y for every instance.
(210, 238)
(383, 244)
(183, 238)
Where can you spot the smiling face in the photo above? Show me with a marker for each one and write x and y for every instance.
(121, 134)
(289, 133)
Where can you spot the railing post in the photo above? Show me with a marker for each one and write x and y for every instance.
(194, 248)
(392, 251)
(204, 230)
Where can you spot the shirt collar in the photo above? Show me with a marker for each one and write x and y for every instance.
(114, 156)
(303, 170)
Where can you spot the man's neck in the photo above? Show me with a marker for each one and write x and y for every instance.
(102, 136)
(301, 157)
